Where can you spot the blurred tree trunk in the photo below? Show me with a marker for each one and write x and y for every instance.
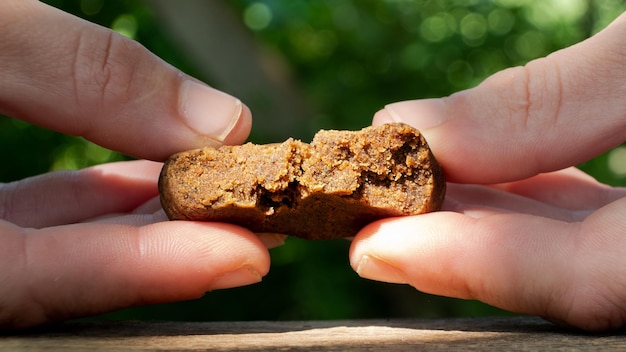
(217, 43)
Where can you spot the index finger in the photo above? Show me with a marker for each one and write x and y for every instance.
(72, 76)
(553, 113)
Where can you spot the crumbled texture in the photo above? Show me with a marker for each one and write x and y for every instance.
(327, 189)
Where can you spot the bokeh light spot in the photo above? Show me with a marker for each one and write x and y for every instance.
(257, 16)
(436, 28)
(531, 45)
(91, 7)
(500, 21)
(473, 28)
(617, 161)
(126, 25)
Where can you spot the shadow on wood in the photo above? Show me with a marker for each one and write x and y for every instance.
(485, 334)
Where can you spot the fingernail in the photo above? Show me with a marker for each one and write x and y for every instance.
(245, 275)
(272, 240)
(208, 111)
(373, 268)
(421, 114)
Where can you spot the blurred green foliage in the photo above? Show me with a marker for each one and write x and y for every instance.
(350, 58)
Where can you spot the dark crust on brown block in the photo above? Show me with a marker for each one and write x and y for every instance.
(328, 189)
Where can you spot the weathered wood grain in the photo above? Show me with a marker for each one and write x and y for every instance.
(482, 334)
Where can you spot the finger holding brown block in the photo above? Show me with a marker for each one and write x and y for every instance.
(330, 188)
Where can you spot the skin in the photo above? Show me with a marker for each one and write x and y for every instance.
(61, 230)
(521, 228)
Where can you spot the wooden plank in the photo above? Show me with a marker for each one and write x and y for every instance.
(483, 334)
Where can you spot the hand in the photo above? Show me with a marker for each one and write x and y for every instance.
(537, 237)
(84, 242)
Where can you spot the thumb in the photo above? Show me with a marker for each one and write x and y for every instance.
(75, 77)
(552, 113)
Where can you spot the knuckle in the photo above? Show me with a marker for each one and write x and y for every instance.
(524, 97)
(544, 93)
(7, 191)
(104, 69)
(19, 308)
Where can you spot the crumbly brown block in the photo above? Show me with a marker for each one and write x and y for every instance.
(328, 189)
